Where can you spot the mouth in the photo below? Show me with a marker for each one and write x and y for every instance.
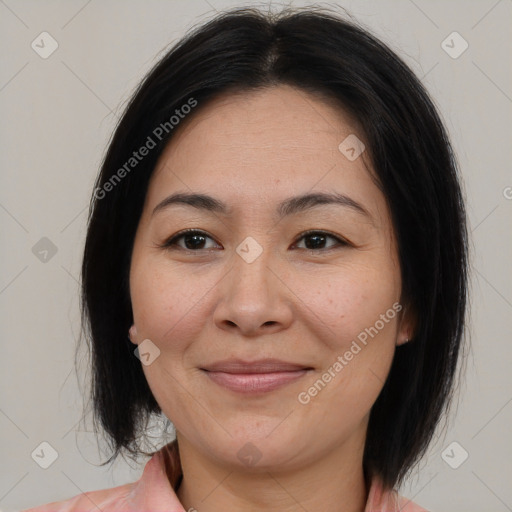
(254, 377)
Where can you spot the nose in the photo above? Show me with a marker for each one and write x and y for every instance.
(254, 298)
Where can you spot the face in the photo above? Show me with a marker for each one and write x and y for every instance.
(309, 291)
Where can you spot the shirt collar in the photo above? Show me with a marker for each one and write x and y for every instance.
(156, 489)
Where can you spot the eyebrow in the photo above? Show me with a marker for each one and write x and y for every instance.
(287, 207)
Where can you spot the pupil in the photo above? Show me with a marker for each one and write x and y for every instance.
(194, 246)
(317, 237)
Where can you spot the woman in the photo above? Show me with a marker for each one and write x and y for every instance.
(279, 229)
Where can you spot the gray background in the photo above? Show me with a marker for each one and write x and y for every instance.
(57, 116)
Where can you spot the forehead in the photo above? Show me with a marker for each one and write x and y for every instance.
(260, 144)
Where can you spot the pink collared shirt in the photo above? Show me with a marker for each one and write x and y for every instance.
(155, 492)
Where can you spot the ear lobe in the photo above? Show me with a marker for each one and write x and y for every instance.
(407, 327)
(402, 340)
(132, 334)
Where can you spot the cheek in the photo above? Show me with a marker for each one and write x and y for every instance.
(355, 318)
(349, 301)
(169, 309)
(360, 308)
(168, 304)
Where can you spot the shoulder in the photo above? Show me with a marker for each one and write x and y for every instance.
(388, 500)
(103, 499)
(124, 498)
(407, 505)
(151, 492)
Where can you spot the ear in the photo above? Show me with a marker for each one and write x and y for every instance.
(132, 334)
(407, 326)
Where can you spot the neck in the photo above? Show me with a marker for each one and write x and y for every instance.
(332, 484)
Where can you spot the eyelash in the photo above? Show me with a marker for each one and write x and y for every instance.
(170, 244)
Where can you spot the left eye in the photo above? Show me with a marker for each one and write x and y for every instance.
(195, 240)
(318, 238)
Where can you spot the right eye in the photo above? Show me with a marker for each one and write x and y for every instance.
(194, 240)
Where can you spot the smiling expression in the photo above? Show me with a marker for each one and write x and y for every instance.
(248, 285)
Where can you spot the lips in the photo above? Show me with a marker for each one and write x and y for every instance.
(254, 377)
(260, 366)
